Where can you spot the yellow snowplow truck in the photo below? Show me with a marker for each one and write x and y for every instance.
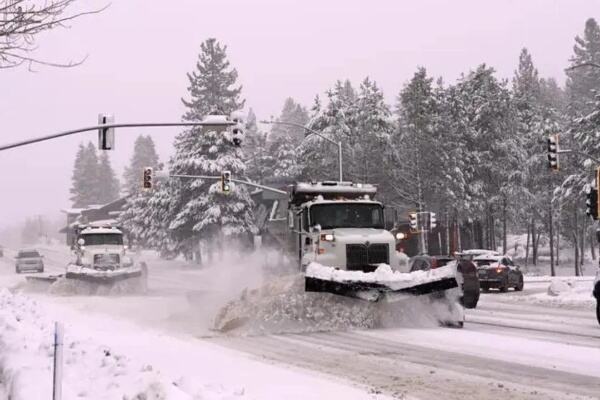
(338, 232)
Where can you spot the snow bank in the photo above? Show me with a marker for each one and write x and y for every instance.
(559, 287)
(91, 370)
(383, 275)
(562, 293)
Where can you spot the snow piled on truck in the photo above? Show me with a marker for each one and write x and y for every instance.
(91, 370)
(383, 275)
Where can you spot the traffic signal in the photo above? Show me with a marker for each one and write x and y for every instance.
(106, 136)
(553, 152)
(591, 203)
(432, 221)
(147, 183)
(414, 227)
(237, 130)
(226, 182)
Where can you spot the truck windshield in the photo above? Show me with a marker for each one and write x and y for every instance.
(98, 239)
(347, 215)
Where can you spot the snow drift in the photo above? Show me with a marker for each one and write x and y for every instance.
(91, 370)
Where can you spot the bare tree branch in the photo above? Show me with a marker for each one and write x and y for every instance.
(21, 22)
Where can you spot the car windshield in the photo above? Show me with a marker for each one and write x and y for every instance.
(347, 215)
(28, 254)
(97, 239)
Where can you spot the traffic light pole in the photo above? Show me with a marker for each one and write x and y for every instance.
(216, 178)
(106, 126)
(579, 153)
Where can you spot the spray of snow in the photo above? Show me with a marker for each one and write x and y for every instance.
(282, 306)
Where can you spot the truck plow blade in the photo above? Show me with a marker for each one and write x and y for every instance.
(85, 281)
(375, 291)
(379, 285)
(103, 278)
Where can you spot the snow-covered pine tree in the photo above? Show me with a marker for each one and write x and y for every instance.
(213, 84)
(107, 181)
(138, 217)
(77, 195)
(333, 120)
(291, 112)
(535, 120)
(484, 123)
(144, 155)
(284, 141)
(85, 190)
(371, 134)
(416, 151)
(582, 89)
(584, 81)
(258, 159)
(198, 209)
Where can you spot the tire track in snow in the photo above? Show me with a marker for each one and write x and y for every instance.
(395, 367)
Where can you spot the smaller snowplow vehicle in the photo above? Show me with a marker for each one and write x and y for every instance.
(101, 257)
(343, 247)
(100, 264)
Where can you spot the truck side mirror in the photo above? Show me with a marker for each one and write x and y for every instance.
(291, 219)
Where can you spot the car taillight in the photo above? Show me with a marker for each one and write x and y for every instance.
(434, 263)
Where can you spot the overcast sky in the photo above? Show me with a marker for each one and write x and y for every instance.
(139, 52)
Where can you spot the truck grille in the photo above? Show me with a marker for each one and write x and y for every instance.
(106, 261)
(360, 257)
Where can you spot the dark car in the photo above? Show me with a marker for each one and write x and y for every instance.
(498, 272)
(470, 284)
(29, 260)
(596, 294)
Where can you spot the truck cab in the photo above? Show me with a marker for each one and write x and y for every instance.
(101, 249)
(338, 224)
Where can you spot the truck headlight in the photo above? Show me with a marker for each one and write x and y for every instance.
(127, 261)
(400, 236)
(327, 237)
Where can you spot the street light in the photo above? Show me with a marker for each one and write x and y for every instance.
(313, 132)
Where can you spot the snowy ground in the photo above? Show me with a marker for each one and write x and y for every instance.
(513, 346)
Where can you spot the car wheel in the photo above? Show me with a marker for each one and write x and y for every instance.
(520, 284)
(598, 310)
(485, 288)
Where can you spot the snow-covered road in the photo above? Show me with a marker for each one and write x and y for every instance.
(513, 346)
